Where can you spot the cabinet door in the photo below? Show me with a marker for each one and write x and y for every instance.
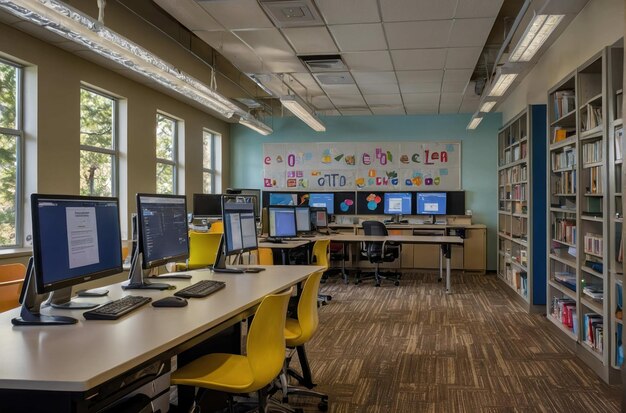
(457, 257)
(426, 256)
(406, 256)
(475, 251)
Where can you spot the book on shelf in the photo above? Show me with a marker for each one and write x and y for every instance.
(564, 102)
(566, 278)
(593, 330)
(591, 117)
(595, 263)
(592, 152)
(564, 230)
(593, 244)
(595, 180)
(564, 159)
(560, 133)
(565, 183)
(619, 137)
(564, 310)
(596, 293)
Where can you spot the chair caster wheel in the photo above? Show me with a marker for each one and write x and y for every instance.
(397, 283)
(377, 284)
(323, 406)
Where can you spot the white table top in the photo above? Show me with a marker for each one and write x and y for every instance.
(80, 356)
(404, 239)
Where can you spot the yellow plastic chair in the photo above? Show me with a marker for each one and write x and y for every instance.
(236, 374)
(202, 250)
(11, 280)
(217, 227)
(266, 256)
(299, 331)
(321, 253)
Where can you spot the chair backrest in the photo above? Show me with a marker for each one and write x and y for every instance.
(307, 307)
(374, 228)
(321, 253)
(217, 227)
(266, 338)
(266, 256)
(11, 280)
(202, 249)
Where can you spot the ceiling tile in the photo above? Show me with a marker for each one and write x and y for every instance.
(233, 49)
(322, 102)
(307, 40)
(329, 112)
(478, 8)
(470, 32)
(388, 110)
(268, 44)
(421, 109)
(451, 99)
(418, 59)
(414, 76)
(284, 65)
(420, 98)
(454, 86)
(356, 112)
(190, 14)
(420, 87)
(379, 88)
(348, 101)
(375, 60)
(449, 108)
(238, 14)
(378, 100)
(349, 11)
(404, 10)
(374, 77)
(341, 90)
(359, 37)
(469, 105)
(457, 75)
(462, 57)
(308, 81)
(418, 34)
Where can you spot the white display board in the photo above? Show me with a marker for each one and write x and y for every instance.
(337, 166)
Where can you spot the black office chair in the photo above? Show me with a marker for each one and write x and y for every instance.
(378, 252)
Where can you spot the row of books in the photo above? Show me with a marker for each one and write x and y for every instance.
(515, 174)
(564, 310)
(591, 117)
(519, 192)
(564, 159)
(593, 244)
(592, 152)
(619, 136)
(595, 180)
(564, 230)
(560, 134)
(565, 183)
(593, 331)
(596, 293)
(564, 102)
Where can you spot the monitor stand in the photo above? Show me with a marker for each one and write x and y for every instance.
(136, 280)
(62, 299)
(31, 305)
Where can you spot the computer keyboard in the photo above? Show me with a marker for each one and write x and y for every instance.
(200, 289)
(117, 308)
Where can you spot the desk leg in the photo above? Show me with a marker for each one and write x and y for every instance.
(343, 263)
(284, 255)
(441, 252)
(448, 252)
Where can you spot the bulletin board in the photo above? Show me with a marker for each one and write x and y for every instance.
(336, 166)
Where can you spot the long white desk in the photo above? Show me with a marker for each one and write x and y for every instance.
(444, 241)
(79, 357)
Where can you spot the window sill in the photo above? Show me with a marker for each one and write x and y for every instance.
(15, 252)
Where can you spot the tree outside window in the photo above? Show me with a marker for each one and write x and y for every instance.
(166, 137)
(209, 161)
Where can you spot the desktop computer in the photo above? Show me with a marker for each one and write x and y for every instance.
(431, 203)
(323, 200)
(398, 204)
(303, 220)
(282, 223)
(75, 239)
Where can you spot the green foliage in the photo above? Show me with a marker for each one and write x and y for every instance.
(8, 155)
(165, 131)
(8, 96)
(96, 130)
(165, 178)
(206, 182)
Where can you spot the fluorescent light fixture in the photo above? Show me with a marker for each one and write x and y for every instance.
(296, 106)
(536, 34)
(255, 125)
(502, 83)
(474, 122)
(78, 27)
(487, 106)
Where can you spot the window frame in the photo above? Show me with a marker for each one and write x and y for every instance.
(174, 161)
(18, 133)
(212, 170)
(115, 139)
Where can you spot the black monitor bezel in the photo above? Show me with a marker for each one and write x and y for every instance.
(145, 264)
(417, 212)
(269, 226)
(308, 210)
(319, 209)
(225, 236)
(40, 286)
(196, 197)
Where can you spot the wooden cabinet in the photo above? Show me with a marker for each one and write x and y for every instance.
(474, 250)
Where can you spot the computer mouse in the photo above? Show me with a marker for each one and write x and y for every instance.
(171, 301)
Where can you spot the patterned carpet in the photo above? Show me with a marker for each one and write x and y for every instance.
(415, 349)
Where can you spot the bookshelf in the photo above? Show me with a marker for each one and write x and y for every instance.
(521, 206)
(582, 194)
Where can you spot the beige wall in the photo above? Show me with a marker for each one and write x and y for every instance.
(53, 83)
(598, 25)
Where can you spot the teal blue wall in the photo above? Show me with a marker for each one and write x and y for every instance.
(479, 163)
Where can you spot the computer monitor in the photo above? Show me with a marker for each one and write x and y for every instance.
(207, 205)
(398, 203)
(431, 203)
(303, 219)
(455, 203)
(319, 217)
(282, 222)
(249, 191)
(239, 226)
(163, 236)
(324, 199)
(75, 239)
(283, 198)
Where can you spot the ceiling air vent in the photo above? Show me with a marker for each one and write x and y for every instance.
(324, 63)
(339, 78)
(292, 13)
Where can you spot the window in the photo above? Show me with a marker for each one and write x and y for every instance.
(10, 153)
(98, 144)
(166, 139)
(210, 171)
